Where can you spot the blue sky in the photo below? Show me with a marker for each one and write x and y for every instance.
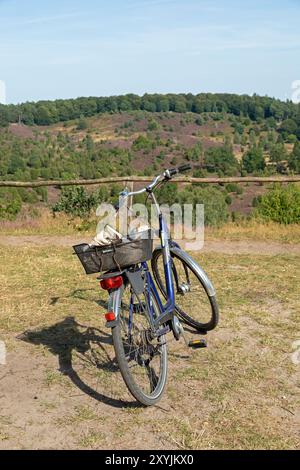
(71, 48)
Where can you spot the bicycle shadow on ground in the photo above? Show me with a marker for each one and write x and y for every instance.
(68, 339)
(81, 294)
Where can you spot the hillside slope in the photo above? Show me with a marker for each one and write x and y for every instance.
(144, 143)
(134, 142)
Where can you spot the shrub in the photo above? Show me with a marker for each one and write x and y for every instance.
(228, 200)
(291, 139)
(27, 195)
(75, 201)
(153, 125)
(231, 187)
(82, 124)
(215, 207)
(10, 203)
(43, 193)
(256, 201)
(168, 194)
(280, 204)
(142, 143)
(234, 188)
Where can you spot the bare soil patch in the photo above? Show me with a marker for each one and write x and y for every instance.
(228, 247)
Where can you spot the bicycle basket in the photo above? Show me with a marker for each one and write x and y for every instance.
(96, 259)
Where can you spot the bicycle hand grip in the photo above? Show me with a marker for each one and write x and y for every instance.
(183, 168)
(173, 171)
(180, 169)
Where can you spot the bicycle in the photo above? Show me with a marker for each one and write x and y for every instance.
(138, 317)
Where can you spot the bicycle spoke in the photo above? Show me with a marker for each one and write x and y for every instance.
(143, 353)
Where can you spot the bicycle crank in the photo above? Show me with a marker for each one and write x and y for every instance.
(178, 330)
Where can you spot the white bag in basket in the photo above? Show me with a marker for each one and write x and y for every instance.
(106, 236)
(138, 232)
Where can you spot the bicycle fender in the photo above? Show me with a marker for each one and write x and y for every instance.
(114, 303)
(207, 284)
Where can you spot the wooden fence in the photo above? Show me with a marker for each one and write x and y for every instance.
(143, 179)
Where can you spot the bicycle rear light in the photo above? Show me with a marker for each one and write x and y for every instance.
(110, 316)
(111, 283)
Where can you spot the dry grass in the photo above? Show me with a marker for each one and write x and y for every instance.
(255, 230)
(241, 393)
(45, 223)
(61, 224)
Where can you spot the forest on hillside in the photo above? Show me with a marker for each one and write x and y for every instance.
(222, 135)
(143, 143)
(255, 107)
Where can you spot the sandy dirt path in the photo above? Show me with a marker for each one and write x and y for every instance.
(226, 247)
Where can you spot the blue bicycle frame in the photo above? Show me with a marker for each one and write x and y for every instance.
(167, 309)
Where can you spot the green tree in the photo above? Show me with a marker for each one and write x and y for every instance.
(4, 117)
(82, 124)
(237, 138)
(288, 127)
(294, 158)
(179, 105)
(253, 160)
(221, 159)
(278, 153)
(43, 117)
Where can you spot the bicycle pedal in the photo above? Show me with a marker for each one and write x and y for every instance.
(197, 344)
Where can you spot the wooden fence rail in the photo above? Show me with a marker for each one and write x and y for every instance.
(144, 179)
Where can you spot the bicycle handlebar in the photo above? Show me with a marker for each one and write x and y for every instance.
(164, 177)
(179, 169)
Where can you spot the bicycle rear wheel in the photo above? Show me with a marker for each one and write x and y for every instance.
(142, 359)
(193, 303)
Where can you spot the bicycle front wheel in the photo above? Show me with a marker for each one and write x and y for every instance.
(193, 303)
(142, 359)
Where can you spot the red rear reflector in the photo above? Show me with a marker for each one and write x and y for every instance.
(110, 316)
(111, 282)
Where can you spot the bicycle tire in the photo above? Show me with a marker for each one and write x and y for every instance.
(187, 317)
(126, 370)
